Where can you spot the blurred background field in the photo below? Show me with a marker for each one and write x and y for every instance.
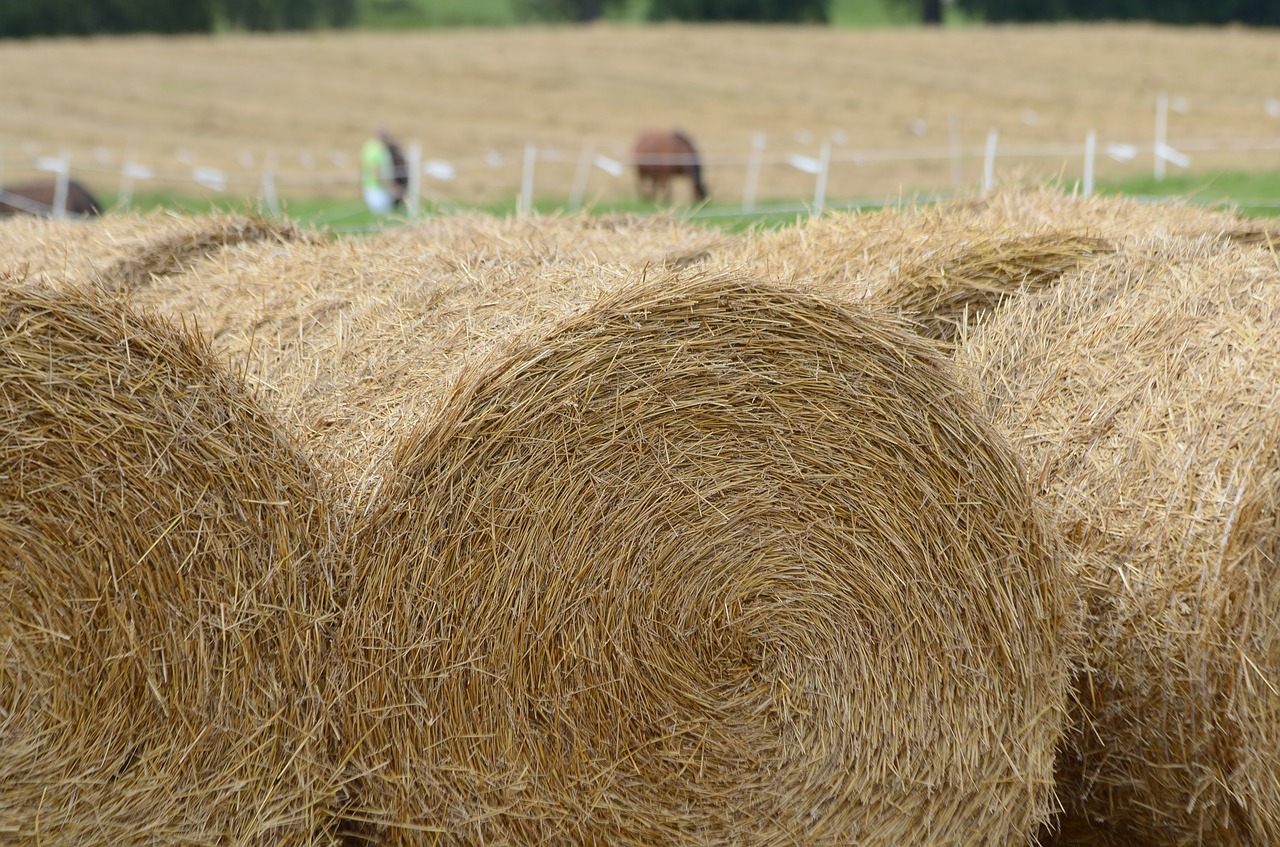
(509, 117)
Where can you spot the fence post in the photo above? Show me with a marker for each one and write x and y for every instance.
(1090, 154)
(269, 194)
(753, 172)
(585, 158)
(989, 160)
(130, 172)
(526, 178)
(61, 168)
(957, 154)
(1162, 128)
(820, 189)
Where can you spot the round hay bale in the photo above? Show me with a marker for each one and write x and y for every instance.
(1114, 218)
(1145, 395)
(712, 562)
(126, 250)
(164, 589)
(174, 248)
(950, 289)
(969, 252)
(944, 267)
(352, 340)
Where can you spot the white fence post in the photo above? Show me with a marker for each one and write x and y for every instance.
(130, 172)
(1090, 154)
(1162, 128)
(585, 160)
(957, 154)
(269, 194)
(753, 172)
(820, 189)
(526, 178)
(61, 169)
(989, 160)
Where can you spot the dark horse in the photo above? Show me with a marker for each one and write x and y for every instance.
(39, 198)
(660, 155)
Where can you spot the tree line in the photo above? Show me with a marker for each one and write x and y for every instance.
(1249, 12)
(28, 18)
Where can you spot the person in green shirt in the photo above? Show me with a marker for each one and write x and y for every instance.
(381, 177)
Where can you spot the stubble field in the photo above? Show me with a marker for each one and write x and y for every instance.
(298, 106)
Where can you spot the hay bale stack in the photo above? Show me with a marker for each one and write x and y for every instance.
(176, 247)
(1119, 219)
(958, 284)
(163, 591)
(659, 240)
(352, 340)
(1145, 395)
(712, 562)
(946, 267)
(951, 265)
(125, 250)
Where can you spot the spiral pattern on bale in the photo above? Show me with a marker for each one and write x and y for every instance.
(714, 562)
(162, 590)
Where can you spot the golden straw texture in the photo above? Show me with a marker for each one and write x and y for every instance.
(1002, 240)
(713, 562)
(351, 340)
(126, 251)
(945, 267)
(162, 591)
(1144, 394)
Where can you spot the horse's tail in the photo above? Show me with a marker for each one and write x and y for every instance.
(695, 173)
(695, 165)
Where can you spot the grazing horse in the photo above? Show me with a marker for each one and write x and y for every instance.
(39, 198)
(660, 155)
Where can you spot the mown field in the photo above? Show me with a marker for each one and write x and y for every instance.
(906, 112)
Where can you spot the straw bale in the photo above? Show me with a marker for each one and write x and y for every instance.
(1144, 394)
(351, 339)
(945, 266)
(660, 239)
(163, 590)
(1114, 218)
(958, 284)
(125, 249)
(710, 562)
(857, 252)
(173, 249)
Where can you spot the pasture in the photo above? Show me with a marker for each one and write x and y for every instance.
(299, 105)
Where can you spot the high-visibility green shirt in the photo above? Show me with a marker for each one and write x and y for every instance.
(376, 166)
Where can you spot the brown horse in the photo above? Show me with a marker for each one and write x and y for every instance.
(39, 198)
(660, 155)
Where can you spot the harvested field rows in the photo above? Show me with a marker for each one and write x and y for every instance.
(235, 102)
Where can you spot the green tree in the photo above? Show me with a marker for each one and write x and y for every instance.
(566, 10)
(763, 11)
(28, 18)
(25, 18)
(1252, 12)
(267, 15)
